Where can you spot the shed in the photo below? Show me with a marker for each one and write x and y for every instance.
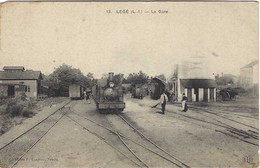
(199, 89)
(16, 75)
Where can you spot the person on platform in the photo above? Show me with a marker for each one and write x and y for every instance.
(184, 103)
(163, 100)
(88, 98)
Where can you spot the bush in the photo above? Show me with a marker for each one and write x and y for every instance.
(13, 108)
(28, 113)
(239, 90)
(31, 103)
(3, 100)
(5, 125)
(21, 97)
(16, 110)
(17, 107)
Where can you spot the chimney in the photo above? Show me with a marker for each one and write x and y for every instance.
(110, 76)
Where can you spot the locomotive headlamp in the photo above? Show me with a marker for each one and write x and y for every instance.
(111, 84)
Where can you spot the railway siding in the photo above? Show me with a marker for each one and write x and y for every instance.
(28, 123)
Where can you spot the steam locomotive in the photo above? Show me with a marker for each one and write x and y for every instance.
(108, 96)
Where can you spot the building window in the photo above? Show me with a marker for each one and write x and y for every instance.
(27, 88)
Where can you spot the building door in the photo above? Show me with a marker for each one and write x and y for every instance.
(10, 90)
(189, 95)
(205, 96)
(196, 92)
(211, 92)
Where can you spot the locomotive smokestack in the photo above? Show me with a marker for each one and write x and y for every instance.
(110, 76)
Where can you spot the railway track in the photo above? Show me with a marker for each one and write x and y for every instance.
(235, 114)
(250, 137)
(245, 136)
(18, 147)
(153, 143)
(226, 112)
(234, 130)
(250, 133)
(219, 115)
(127, 142)
(103, 139)
(242, 135)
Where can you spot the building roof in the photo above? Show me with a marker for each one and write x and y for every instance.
(251, 64)
(198, 83)
(13, 68)
(23, 75)
(159, 80)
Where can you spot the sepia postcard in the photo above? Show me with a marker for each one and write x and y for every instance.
(129, 84)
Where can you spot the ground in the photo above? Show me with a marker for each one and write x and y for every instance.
(7, 121)
(222, 134)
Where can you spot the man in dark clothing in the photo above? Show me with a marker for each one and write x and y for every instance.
(163, 101)
(87, 98)
(184, 103)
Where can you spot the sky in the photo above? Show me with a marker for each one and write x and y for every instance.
(44, 35)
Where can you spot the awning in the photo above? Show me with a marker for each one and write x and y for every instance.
(198, 83)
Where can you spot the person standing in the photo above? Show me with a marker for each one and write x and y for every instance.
(87, 98)
(84, 94)
(184, 103)
(163, 100)
(171, 96)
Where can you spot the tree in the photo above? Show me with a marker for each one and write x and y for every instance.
(65, 75)
(137, 78)
(224, 80)
(90, 76)
(118, 78)
(104, 75)
(89, 80)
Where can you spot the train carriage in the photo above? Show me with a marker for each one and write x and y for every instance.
(156, 88)
(108, 96)
(76, 92)
(140, 91)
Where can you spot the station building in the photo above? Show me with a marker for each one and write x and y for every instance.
(193, 78)
(15, 80)
(249, 75)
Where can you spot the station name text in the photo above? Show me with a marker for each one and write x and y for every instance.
(137, 11)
